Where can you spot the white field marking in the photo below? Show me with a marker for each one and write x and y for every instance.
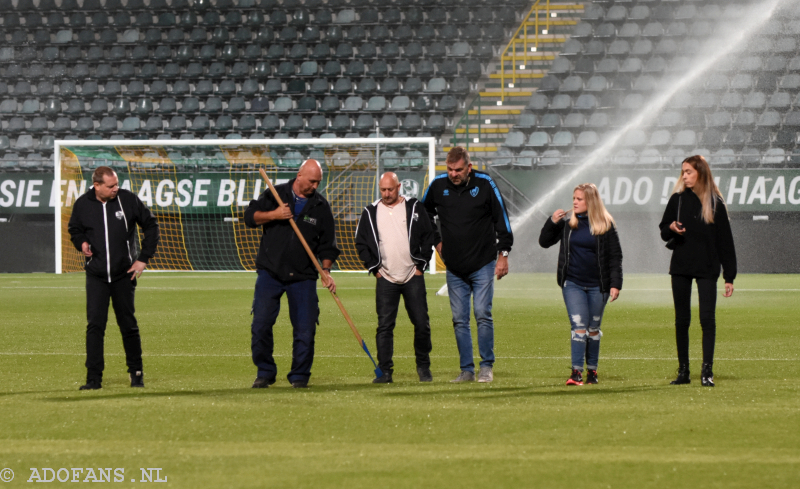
(146, 287)
(242, 355)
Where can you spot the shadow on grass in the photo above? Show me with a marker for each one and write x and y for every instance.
(532, 391)
(393, 391)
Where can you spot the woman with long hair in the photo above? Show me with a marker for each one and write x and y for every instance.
(589, 272)
(698, 231)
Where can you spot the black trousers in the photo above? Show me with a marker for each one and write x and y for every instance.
(682, 296)
(121, 293)
(387, 301)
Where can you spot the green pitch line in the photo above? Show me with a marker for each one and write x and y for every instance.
(198, 420)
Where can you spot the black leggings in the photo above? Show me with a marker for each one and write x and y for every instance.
(682, 296)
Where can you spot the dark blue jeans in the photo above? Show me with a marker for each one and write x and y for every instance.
(304, 314)
(387, 302)
(585, 307)
(479, 285)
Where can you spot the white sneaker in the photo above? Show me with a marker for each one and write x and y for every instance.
(464, 376)
(485, 375)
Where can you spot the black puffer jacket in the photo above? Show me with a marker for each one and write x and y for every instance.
(703, 248)
(609, 253)
(110, 229)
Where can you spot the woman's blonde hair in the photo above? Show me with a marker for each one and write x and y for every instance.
(704, 188)
(600, 220)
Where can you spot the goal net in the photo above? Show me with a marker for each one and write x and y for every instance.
(199, 190)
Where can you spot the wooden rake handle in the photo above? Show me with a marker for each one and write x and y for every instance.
(313, 258)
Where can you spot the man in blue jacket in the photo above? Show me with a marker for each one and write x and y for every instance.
(284, 266)
(103, 229)
(474, 243)
(394, 239)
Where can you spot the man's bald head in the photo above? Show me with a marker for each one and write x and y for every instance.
(308, 178)
(390, 188)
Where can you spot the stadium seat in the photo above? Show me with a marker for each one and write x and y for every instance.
(341, 123)
(318, 123)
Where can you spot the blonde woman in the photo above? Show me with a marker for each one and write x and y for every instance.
(696, 220)
(589, 272)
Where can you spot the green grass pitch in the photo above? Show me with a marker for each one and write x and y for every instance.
(201, 424)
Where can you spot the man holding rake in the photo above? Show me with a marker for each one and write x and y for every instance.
(283, 265)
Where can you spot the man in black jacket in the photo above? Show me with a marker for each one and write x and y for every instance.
(394, 239)
(474, 243)
(103, 229)
(284, 266)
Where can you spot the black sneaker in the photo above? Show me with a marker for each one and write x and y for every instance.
(425, 374)
(576, 378)
(591, 377)
(707, 376)
(300, 384)
(137, 379)
(386, 378)
(91, 385)
(262, 383)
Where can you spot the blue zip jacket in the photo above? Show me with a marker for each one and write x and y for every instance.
(473, 220)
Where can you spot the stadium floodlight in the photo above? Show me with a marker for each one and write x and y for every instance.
(199, 190)
(361, 342)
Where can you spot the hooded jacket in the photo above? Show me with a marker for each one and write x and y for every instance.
(110, 229)
(420, 236)
(609, 253)
(281, 253)
(703, 248)
(473, 219)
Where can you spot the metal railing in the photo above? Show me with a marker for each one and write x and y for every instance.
(534, 25)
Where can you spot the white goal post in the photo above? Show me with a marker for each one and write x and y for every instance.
(199, 189)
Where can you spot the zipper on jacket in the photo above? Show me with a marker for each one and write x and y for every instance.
(410, 223)
(599, 265)
(125, 219)
(568, 232)
(108, 252)
(375, 237)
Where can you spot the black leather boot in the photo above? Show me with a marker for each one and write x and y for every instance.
(707, 375)
(683, 375)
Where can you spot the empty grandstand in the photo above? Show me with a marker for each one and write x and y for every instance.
(529, 86)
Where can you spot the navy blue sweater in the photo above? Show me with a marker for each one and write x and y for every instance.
(583, 269)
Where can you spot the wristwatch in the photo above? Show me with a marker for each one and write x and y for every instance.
(504, 253)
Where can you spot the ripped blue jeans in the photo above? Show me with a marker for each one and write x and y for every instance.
(585, 307)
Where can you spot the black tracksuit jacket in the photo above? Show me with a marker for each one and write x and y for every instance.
(703, 248)
(609, 253)
(281, 253)
(420, 236)
(110, 229)
(473, 219)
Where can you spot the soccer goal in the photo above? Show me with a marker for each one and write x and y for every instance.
(199, 189)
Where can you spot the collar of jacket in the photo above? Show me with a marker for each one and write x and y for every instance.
(92, 195)
(287, 195)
